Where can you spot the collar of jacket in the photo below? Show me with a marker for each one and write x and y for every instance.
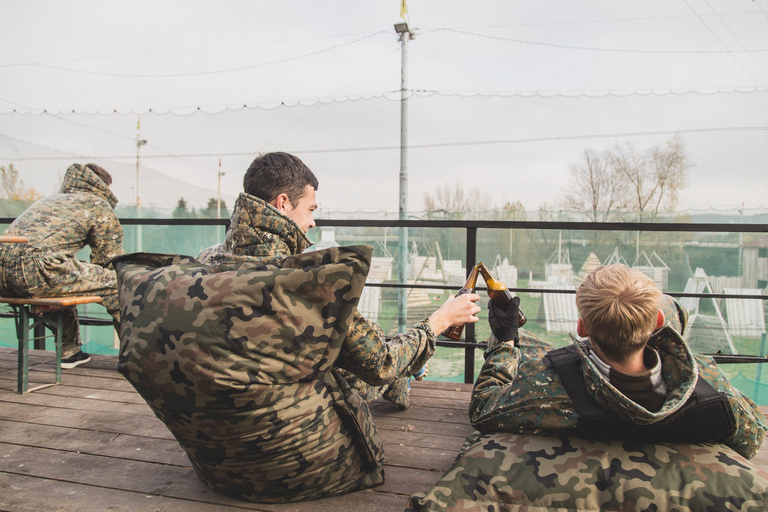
(678, 367)
(256, 222)
(79, 178)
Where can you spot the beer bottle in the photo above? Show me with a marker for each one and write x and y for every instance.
(498, 292)
(454, 332)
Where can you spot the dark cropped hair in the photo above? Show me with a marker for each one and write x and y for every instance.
(272, 174)
(101, 173)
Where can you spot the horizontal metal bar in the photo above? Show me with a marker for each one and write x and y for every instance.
(571, 292)
(560, 225)
(482, 224)
(727, 358)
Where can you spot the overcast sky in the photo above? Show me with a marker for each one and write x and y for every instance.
(506, 95)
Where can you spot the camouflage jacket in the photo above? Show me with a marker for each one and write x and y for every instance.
(516, 392)
(58, 226)
(260, 233)
(237, 361)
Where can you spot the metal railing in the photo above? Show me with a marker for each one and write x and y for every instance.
(471, 228)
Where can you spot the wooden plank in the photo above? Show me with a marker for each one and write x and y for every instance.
(33, 494)
(421, 439)
(13, 239)
(99, 441)
(108, 395)
(162, 480)
(74, 403)
(91, 421)
(69, 378)
(399, 479)
(51, 302)
(107, 444)
(423, 426)
(442, 421)
(406, 481)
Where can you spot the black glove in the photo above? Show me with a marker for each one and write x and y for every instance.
(504, 322)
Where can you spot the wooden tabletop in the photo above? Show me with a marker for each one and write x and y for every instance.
(9, 239)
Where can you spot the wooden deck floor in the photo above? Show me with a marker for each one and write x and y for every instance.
(92, 443)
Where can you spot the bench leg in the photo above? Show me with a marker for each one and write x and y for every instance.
(23, 328)
(22, 333)
(59, 343)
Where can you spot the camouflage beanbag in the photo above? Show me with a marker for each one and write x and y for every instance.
(510, 472)
(236, 360)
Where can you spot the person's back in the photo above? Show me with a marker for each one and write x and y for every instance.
(238, 366)
(633, 377)
(58, 226)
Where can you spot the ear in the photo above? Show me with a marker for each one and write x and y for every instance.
(581, 329)
(280, 202)
(659, 320)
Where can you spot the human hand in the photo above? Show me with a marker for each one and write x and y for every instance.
(457, 310)
(504, 322)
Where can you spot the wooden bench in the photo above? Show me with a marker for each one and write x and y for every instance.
(28, 314)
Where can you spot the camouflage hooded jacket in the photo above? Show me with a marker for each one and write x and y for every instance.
(58, 226)
(516, 392)
(260, 233)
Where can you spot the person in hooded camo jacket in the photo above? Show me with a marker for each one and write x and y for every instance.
(58, 226)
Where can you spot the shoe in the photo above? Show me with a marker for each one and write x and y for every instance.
(398, 392)
(77, 359)
(422, 373)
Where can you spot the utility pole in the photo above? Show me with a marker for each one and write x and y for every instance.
(139, 142)
(402, 250)
(218, 192)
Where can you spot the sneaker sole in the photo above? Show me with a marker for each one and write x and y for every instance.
(67, 366)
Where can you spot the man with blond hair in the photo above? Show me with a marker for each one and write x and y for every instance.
(631, 376)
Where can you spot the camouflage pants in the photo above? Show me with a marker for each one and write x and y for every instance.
(28, 277)
(395, 392)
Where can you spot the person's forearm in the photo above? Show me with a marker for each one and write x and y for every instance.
(376, 360)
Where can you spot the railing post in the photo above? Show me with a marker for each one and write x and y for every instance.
(469, 329)
(759, 370)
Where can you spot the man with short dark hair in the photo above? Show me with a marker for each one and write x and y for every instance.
(632, 377)
(58, 226)
(270, 221)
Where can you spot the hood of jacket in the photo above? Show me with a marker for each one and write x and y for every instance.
(260, 230)
(679, 369)
(79, 178)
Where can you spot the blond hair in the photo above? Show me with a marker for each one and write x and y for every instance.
(619, 308)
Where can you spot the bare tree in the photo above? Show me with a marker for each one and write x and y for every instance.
(11, 187)
(654, 178)
(456, 201)
(596, 188)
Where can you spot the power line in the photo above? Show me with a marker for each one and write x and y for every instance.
(417, 146)
(735, 37)
(213, 72)
(598, 49)
(183, 50)
(727, 50)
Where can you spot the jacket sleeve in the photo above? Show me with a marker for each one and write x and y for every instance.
(515, 392)
(105, 236)
(750, 429)
(368, 354)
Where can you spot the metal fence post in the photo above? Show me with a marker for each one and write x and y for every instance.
(469, 329)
